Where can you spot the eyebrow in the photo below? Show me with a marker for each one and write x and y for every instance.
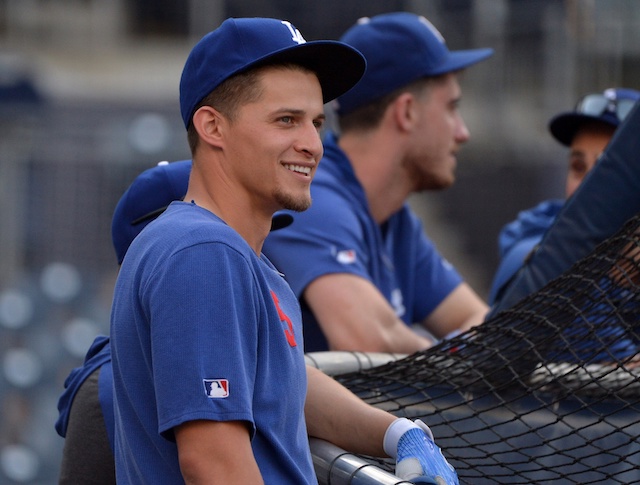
(298, 112)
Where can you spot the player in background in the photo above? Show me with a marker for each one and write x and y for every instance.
(586, 131)
(86, 406)
(359, 260)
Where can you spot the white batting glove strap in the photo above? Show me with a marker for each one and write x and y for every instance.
(425, 428)
(397, 429)
(391, 437)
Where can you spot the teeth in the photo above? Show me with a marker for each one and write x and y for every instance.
(298, 168)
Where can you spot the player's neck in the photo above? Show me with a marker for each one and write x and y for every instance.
(377, 165)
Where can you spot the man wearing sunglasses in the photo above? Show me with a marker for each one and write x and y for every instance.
(586, 131)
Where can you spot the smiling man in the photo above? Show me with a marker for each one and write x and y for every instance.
(210, 384)
(358, 259)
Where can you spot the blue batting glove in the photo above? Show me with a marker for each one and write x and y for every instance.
(418, 459)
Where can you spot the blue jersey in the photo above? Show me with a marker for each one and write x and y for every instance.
(203, 328)
(337, 234)
(98, 357)
(518, 239)
(516, 242)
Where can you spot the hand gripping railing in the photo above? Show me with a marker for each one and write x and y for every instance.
(333, 465)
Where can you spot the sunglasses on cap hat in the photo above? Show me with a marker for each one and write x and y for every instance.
(599, 104)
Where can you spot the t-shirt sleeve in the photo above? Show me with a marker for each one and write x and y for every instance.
(203, 308)
(325, 239)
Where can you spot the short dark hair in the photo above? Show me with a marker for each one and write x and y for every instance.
(370, 115)
(233, 93)
(227, 98)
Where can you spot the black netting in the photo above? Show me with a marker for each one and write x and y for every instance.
(545, 392)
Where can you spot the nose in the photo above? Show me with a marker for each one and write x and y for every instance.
(309, 142)
(462, 132)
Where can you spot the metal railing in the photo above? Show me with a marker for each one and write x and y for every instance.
(333, 465)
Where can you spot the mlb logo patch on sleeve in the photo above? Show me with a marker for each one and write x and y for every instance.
(216, 388)
(346, 256)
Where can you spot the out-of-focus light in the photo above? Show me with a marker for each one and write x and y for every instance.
(16, 309)
(19, 463)
(22, 367)
(61, 282)
(149, 133)
(78, 334)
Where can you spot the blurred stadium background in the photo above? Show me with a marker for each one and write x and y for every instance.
(89, 98)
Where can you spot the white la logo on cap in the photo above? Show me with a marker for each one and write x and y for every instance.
(296, 36)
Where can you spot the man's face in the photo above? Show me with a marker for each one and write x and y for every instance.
(586, 146)
(440, 132)
(274, 144)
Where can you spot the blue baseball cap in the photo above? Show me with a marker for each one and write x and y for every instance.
(149, 195)
(244, 43)
(400, 47)
(610, 107)
(145, 199)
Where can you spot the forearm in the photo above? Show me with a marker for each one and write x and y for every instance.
(406, 340)
(375, 336)
(475, 319)
(335, 414)
(215, 452)
(458, 312)
(223, 475)
(355, 316)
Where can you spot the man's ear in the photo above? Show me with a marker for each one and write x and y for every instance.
(404, 111)
(208, 122)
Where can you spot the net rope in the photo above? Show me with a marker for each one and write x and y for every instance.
(547, 391)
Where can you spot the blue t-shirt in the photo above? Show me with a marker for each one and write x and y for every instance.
(203, 328)
(518, 239)
(337, 234)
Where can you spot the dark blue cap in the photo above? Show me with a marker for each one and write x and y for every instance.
(609, 107)
(400, 48)
(145, 199)
(244, 43)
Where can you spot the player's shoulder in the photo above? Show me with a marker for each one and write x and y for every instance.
(186, 225)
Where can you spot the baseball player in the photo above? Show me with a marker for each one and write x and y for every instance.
(359, 259)
(586, 131)
(210, 384)
(86, 406)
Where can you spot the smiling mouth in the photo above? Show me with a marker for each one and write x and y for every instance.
(298, 169)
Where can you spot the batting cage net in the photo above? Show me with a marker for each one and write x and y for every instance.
(547, 391)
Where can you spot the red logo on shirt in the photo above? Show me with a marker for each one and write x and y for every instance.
(288, 332)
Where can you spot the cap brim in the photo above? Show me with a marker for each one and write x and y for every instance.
(565, 126)
(338, 66)
(457, 60)
(280, 220)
